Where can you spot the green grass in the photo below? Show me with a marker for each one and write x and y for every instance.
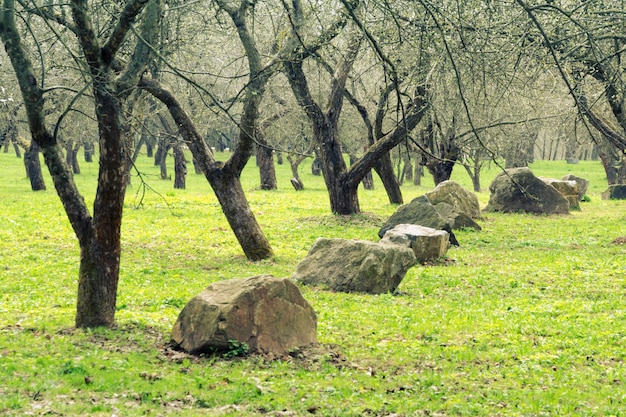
(528, 319)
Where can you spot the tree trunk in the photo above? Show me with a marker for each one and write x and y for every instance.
(33, 167)
(16, 148)
(100, 256)
(74, 159)
(230, 194)
(138, 146)
(614, 165)
(441, 170)
(180, 166)
(296, 181)
(265, 161)
(88, 150)
(196, 166)
(149, 148)
(316, 166)
(418, 174)
(164, 147)
(476, 176)
(408, 167)
(384, 169)
(368, 181)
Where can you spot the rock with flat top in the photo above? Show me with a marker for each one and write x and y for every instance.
(355, 265)
(427, 243)
(421, 212)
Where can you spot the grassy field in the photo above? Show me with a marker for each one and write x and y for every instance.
(528, 319)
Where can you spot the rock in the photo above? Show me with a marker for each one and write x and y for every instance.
(297, 184)
(615, 192)
(519, 190)
(568, 189)
(458, 197)
(427, 243)
(583, 185)
(355, 265)
(419, 211)
(268, 314)
(456, 219)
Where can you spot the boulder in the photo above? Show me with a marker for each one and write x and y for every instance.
(355, 265)
(268, 314)
(519, 190)
(456, 219)
(615, 192)
(419, 211)
(426, 243)
(458, 197)
(583, 184)
(568, 189)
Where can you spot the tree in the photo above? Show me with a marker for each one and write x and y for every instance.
(342, 182)
(111, 84)
(224, 177)
(586, 43)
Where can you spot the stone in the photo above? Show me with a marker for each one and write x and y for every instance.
(427, 243)
(355, 265)
(419, 211)
(615, 192)
(583, 184)
(456, 219)
(568, 189)
(297, 184)
(268, 314)
(519, 190)
(462, 200)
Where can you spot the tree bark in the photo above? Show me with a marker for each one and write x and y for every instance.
(265, 161)
(418, 174)
(164, 145)
(33, 167)
(88, 150)
(180, 166)
(384, 169)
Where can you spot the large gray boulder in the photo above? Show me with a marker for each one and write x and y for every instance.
(355, 265)
(268, 314)
(419, 211)
(519, 190)
(462, 200)
(427, 243)
(583, 184)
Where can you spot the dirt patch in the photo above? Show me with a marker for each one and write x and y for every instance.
(619, 240)
(363, 219)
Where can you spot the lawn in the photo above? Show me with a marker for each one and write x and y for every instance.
(528, 317)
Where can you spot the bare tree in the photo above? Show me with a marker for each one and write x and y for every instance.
(111, 82)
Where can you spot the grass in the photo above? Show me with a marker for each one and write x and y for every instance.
(527, 320)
